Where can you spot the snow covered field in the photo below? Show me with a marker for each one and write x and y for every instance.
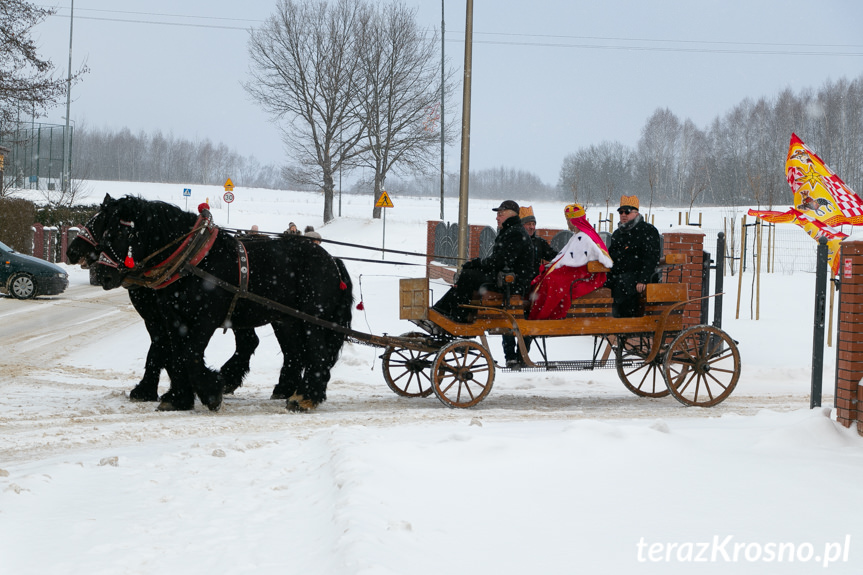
(552, 473)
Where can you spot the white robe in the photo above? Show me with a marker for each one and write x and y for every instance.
(579, 250)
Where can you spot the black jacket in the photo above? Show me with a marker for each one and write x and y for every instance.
(512, 250)
(635, 251)
(542, 250)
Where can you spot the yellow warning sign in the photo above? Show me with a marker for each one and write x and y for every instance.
(229, 185)
(384, 201)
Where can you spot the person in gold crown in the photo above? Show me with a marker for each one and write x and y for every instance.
(635, 248)
(567, 276)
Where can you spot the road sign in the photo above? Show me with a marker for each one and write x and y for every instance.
(187, 192)
(229, 197)
(229, 185)
(384, 201)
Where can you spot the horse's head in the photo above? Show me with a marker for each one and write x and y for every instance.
(116, 240)
(84, 249)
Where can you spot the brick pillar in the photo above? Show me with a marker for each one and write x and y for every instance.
(51, 235)
(692, 246)
(849, 368)
(431, 228)
(38, 241)
(473, 241)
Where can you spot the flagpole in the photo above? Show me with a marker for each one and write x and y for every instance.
(740, 265)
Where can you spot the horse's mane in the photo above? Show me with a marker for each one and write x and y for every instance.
(156, 212)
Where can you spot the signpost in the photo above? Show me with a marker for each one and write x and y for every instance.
(229, 196)
(186, 193)
(384, 202)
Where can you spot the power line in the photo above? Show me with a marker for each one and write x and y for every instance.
(585, 46)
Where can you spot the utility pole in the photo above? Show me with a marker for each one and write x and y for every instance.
(442, 119)
(464, 176)
(66, 171)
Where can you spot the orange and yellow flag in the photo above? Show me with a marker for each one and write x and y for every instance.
(818, 192)
(821, 200)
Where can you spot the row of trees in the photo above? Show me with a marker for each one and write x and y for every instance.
(496, 183)
(737, 160)
(105, 154)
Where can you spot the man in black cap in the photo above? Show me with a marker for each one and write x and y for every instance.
(542, 251)
(512, 251)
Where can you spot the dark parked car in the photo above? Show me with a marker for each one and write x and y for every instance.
(24, 277)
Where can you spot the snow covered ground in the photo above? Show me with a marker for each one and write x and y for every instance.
(552, 473)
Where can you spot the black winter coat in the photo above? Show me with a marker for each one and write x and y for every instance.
(635, 252)
(542, 250)
(512, 250)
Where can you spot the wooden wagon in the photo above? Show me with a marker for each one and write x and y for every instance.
(654, 355)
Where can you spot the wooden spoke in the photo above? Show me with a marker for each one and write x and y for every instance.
(463, 373)
(644, 379)
(702, 366)
(408, 372)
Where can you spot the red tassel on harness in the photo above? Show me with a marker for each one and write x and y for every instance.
(343, 286)
(360, 306)
(203, 206)
(129, 262)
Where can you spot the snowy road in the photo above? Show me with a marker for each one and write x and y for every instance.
(57, 398)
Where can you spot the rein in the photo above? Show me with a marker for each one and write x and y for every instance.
(376, 340)
(348, 244)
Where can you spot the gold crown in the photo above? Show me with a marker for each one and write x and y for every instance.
(574, 211)
(631, 201)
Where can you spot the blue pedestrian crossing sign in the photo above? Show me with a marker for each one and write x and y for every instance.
(187, 192)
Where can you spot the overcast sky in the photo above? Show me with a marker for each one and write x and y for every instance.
(549, 76)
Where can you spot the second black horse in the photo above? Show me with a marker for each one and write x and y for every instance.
(157, 246)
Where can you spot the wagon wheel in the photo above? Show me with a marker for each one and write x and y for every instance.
(407, 371)
(644, 379)
(702, 366)
(463, 373)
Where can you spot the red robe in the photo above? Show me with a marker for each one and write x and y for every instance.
(554, 299)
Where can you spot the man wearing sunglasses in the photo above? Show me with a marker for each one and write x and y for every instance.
(635, 250)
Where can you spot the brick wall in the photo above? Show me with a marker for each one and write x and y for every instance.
(692, 246)
(849, 361)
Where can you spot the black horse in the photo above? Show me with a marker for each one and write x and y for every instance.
(195, 269)
(84, 250)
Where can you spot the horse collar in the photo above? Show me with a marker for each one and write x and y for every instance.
(194, 248)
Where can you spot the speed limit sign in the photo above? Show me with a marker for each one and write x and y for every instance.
(229, 197)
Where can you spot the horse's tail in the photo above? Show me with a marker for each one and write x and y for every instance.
(346, 302)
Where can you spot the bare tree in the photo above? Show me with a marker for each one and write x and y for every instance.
(305, 73)
(400, 93)
(657, 149)
(577, 176)
(27, 83)
(615, 163)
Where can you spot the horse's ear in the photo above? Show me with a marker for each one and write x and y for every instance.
(108, 199)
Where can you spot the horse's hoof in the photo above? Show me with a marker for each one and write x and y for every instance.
(168, 405)
(297, 404)
(278, 396)
(230, 389)
(213, 401)
(143, 395)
